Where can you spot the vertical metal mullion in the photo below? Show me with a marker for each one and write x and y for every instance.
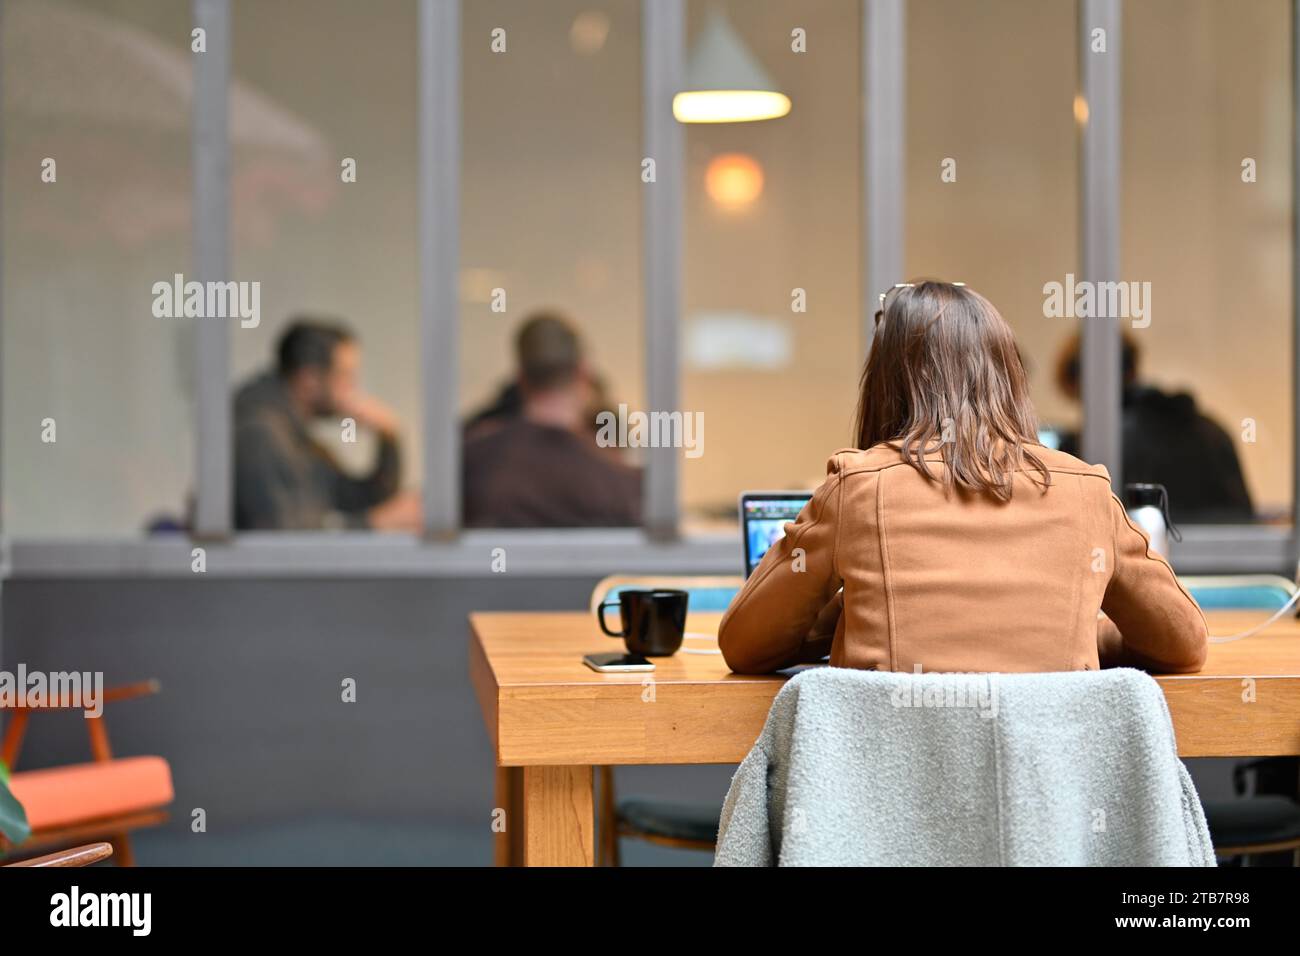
(1099, 208)
(211, 171)
(883, 151)
(663, 27)
(439, 213)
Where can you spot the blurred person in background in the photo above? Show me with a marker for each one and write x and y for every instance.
(508, 403)
(285, 479)
(531, 459)
(1168, 441)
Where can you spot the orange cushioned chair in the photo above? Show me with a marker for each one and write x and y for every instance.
(108, 797)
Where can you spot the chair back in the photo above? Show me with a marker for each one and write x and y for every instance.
(868, 768)
(1239, 592)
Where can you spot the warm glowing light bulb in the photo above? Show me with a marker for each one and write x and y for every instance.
(729, 106)
(1080, 110)
(733, 180)
(588, 32)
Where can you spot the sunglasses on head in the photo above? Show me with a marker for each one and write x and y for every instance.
(880, 313)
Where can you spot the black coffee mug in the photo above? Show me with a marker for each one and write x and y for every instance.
(654, 622)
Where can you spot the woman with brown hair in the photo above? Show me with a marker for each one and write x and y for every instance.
(949, 539)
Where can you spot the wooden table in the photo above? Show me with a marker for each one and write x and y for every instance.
(552, 719)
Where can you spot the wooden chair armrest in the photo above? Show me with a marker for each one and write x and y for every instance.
(129, 691)
(75, 856)
(111, 694)
(12, 742)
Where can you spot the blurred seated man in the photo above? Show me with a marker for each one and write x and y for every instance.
(536, 464)
(287, 480)
(1167, 441)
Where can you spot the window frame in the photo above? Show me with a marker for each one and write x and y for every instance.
(444, 549)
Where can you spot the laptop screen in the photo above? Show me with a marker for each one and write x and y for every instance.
(763, 517)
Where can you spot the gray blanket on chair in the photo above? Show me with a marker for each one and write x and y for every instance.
(881, 769)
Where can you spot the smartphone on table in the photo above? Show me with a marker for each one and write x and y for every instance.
(617, 662)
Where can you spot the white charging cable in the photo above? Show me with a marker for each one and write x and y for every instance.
(700, 650)
(1226, 639)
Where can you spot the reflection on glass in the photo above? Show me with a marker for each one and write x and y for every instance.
(97, 386)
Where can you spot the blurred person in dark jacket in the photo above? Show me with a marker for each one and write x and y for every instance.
(285, 479)
(531, 459)
(1168, 441)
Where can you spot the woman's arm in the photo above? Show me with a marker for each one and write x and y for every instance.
(771, 622)
(1156, 625)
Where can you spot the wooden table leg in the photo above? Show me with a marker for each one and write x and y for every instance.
(559, 819)
(508, 843)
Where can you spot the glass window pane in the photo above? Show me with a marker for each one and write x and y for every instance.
(771, 336)
(550, 222)
(992, 167)
(1207, 218)
(324, 217)
(98, 421)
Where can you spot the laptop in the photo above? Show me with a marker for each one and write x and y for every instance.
(763, 517)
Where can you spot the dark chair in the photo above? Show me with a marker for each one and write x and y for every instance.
(1243, 828)
(674, 823)
(1265, 823)
(1254, 825)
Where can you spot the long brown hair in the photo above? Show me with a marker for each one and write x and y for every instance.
(944, 375)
